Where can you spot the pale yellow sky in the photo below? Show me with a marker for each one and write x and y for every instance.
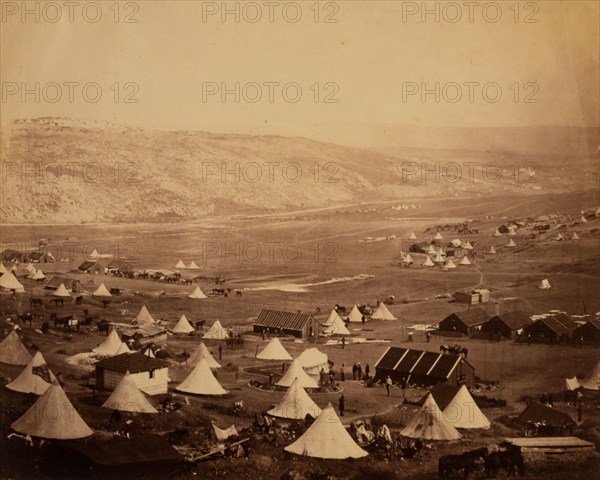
(370, 53)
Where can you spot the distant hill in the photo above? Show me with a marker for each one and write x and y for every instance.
(68, 171)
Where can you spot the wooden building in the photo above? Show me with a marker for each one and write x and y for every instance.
(424, 368)
(92, 267)
(465, 322)
(508, 324)
(588, 332)
(550, 329)
(301, 325)
(151, 375)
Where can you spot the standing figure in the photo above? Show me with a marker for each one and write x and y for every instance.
(342, 405)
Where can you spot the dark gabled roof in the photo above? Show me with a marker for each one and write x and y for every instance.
(514, 320)
(442, 393)
(118, 264)
(87, 264)
(283, 320)
(419, 362)
(540, 413)
(593, 323)
(559, 323)
(471, 317)
(133, 362)
(55, 281)
(121, 451)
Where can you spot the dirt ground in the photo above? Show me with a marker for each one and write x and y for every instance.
(521, 370)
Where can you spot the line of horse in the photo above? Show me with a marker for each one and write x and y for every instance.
(509, 458)
(454, 350)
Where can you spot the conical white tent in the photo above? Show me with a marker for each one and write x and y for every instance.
(327, 438)
(148, 352)
(431, 250)
(457, 242)
(12, 350)
(559, 237)
(497, 233)
(295, 404)
(53, 417)
(355, 315)
(438, 236)
(574, 236)
(450, 264)
(183, 326)
(110, 346)
(512, 231)
(201, 381)
(127, 397)
(35, 377)
(382, 313)
(591, 380)
(338, 327)
(295, 371)
(61, 291)
(10, 282)
(197, 293)
(333, 317)
(202, 352)
(412, 236)
(38, 275)
(468, 246)
(511, 243)
(30, 268)
(180, 264)
(430, 424)
(582, 219)
(216, 332)
(492, 250)
(143, 317)
(408, 259)
(313, 361)
(428, 262)
(544, 284)
(274, 350)
(465, 261)
(124, 348)
(193, 266)
(463, 412)
(101, 291)
(571, 383)
(95, 255)
(438, 258)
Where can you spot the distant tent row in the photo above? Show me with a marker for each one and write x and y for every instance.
(192, 265)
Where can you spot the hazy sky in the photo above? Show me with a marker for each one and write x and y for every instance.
(375, 53)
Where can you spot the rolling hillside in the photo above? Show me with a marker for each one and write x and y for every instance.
(58, 170)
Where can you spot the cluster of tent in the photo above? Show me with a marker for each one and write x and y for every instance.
(182, 266)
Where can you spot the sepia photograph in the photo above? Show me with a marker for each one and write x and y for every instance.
(300, 240)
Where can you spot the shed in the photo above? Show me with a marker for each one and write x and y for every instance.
(149, 374)
(589, 332)
(470, 297)
(546, 420)
(119, 266)
(508, 324)
(422, 367)
(550, 329)
(301, 325)
(146, 456)
(465, 322)
(56, 281)
(92, 267)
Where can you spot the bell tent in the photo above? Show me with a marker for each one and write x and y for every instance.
(12, 350)
(429, 424)
(183, 326)
(382, 313)
(295, 404)
(216, 332)
(295, 371)
(463, 412)
(61, 291)
(327, 438)
(52, 417)
(202, 352)
(35, 378)
(101, 291)
(197, 293)
(8, 281)
(127, 397)
(201, 381)
(355, 315)
(274, 350)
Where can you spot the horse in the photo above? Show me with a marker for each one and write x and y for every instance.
(340, 309)
(464, 461)
(36, 302)
(57, 301)
(238, 293)
(61, 320)
(25, 318)
(511, 460)
(103, 326)
(444, 349)
(105, 303)
(79, 299)
(464, 351)
(200, 325)
(45, 327)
